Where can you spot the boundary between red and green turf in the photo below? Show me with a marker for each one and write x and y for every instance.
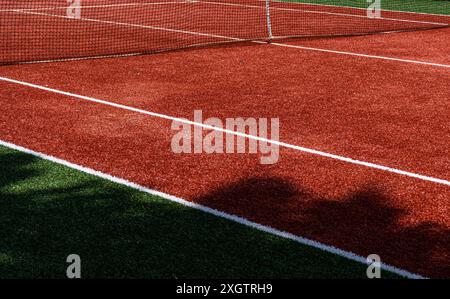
(415, 6)
(307, 258)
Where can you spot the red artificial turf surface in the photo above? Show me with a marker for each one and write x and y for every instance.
(386, 112)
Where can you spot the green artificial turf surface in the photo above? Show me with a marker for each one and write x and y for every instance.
(422, 6)
(48, 211)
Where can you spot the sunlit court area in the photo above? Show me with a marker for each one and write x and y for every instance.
(224, 139)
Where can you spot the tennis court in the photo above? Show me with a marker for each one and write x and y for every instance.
(362, 104)
(48, 30)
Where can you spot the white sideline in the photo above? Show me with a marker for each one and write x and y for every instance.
(234, 218)
(361, 55)
(134, 25)
(275, 142)
(357, 8)
(363, 16)
(93, 6)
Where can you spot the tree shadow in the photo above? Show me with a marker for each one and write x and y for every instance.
(48, 211)
(363, 222)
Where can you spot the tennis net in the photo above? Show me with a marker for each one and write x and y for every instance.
(47, 30)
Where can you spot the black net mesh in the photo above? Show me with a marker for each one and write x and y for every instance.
(41, 30)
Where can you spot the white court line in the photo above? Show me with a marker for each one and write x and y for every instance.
(134, 25)
(359, 8)
(361, 55)
(364, 16)
(248, 136)
(283, 234)
(92, 6)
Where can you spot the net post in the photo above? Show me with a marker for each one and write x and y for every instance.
(268, 22)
